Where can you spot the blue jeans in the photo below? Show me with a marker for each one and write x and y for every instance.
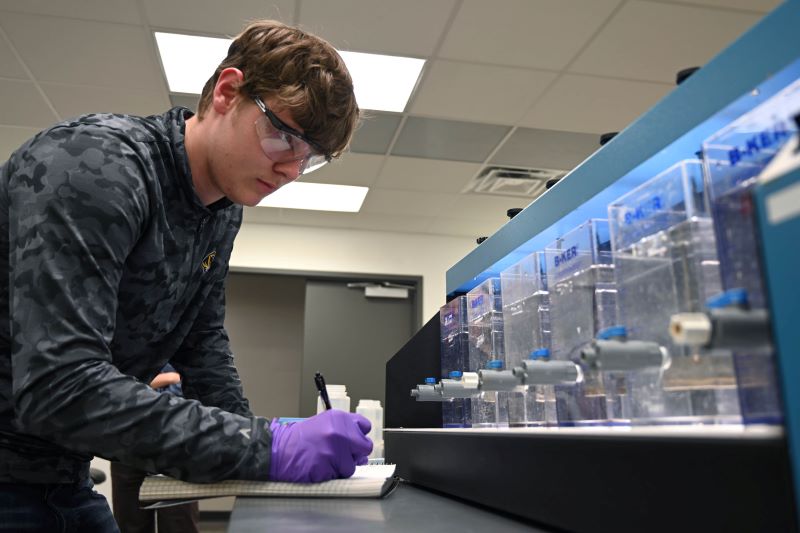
(54, 508)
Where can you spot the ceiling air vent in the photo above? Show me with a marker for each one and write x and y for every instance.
(512, 181)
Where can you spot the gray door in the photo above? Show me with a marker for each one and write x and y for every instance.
(264, 320)
(350, 337)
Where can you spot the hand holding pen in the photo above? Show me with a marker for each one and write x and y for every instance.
(326, 446)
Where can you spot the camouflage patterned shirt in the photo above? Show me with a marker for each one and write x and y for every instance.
(115, 267)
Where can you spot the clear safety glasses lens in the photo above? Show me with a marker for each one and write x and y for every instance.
(281, 145)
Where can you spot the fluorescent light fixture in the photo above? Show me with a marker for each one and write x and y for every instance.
(189, 60)
(317, 196)
(381, 82)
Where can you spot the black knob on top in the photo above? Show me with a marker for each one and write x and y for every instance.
(514, 211)
(682, 75)
(604, 138)
(552, 181)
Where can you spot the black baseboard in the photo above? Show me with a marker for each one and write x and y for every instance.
(606, 481)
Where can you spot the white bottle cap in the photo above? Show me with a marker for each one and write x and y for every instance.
(339, 390)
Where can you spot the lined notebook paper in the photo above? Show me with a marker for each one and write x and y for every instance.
(369, 481)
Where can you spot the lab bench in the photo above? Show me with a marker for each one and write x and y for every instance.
(408, 508)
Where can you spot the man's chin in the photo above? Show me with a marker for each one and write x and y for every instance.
(253, 200)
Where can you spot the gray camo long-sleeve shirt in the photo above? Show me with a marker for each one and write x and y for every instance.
(115, 267)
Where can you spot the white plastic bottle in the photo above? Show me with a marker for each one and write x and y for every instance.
(372, 411)
(337, 394)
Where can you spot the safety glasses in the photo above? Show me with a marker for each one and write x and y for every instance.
(282, 143)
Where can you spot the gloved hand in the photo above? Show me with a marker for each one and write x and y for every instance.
(326, 446)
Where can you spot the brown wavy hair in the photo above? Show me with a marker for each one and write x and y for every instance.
(303, 72)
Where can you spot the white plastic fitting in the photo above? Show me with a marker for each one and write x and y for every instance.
(690, 329)
(470, 380)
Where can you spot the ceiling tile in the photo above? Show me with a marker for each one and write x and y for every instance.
(448, 139)
(762, 6)
(652, 41)
(72, 100)
(327, 219)
(189, 101)
(525, 33)
(410, 27)
(393, 223)
(350, 169)
(412, 174)
(403, 223)
(10, 66)
(86, 52)
(457, 90)
(484, 207)
(358, 221)
(594, 105)
(409, 203)
(215, 17)
(122, 11)
(29, 107)
(12, 138)
(375, 133)
(261, 215)
(546, 149)
(464, 227)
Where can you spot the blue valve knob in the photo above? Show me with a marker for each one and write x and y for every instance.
(541, 353)
(612, 333)
(737, 297)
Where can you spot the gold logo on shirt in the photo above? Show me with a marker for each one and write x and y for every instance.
(206, 264)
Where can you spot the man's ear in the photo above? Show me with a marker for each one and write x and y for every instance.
(226, 91)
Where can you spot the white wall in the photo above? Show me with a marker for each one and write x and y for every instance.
(315, 249)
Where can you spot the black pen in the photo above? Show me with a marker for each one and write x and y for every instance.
(323, 391)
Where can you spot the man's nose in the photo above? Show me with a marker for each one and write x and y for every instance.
(289, 171)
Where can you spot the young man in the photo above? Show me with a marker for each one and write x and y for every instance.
(116, 236)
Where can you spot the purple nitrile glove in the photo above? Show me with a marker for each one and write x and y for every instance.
(326, 446)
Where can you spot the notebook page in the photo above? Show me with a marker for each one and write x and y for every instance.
(367, 481)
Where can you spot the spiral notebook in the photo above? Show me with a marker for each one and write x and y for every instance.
(368, 481)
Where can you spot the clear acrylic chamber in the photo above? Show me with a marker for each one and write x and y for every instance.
(456, 412)
(526, 330)
(580, 276)
(733, 158)
(486, 350)
(665, 263)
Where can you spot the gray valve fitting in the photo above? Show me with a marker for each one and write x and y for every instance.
(427, 393)
(499, 380)
(465, 387)
(735, 328)
(726, 328)
(623, 356)
(549, 372)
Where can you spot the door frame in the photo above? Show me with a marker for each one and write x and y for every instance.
(315, 275)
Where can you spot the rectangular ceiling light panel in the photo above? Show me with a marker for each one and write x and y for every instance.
(317, 197)
(381, 82)
(189, 60)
